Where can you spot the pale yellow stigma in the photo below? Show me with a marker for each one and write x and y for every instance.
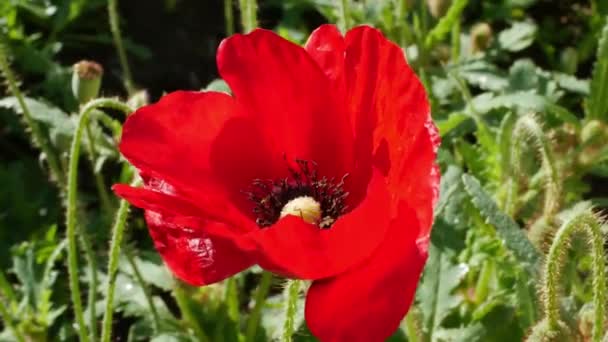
(304, 207)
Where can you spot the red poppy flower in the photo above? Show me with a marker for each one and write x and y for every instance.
(321, 166)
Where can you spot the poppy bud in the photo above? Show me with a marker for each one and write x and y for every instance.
(481, 37)
(593, 130)
(541, 332)
(568, 60)
(305, 207)
(86, 80)
(438, 8)
(139, 99)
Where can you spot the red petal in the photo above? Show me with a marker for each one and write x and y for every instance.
(388, 108)
(297, 249)
(290, 96)
(193, 253)
(367, 303)
(326, 46)
(393, 122)
(201, 143)
(198, 251)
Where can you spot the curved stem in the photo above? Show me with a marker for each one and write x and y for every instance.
(145, 289)
(292, 292)
(588, 223)
(260, 297)
(122, 55)
(39, 138)
(72, 192)
(527, 127)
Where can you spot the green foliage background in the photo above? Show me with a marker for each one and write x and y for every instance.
(519, 91)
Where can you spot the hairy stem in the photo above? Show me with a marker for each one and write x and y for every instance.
(71, 210)
(39, 138)
(589, 224)
(122, 55)
(117, 234)
(291, 294)
(260, 298)
(527, 127)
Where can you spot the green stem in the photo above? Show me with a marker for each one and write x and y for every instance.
(145, 289)
(92, 300)
(405, 34)
(588, 223)
(232, 299)
(483, 282)
(411, 326)
(71, 209)
(100, 184)
(229, 17)
(248, 9)
(187, 314)
(260, 298)
(117, 234)
(456, 41)
(122, 55)
(8, 321)
(344, 15)
(292, 293)
(38, 136)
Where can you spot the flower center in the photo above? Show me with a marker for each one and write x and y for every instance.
(318, 201)
(305, 207)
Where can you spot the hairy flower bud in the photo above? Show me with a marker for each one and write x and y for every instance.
(438, 8)
(541, 332)
(86, 80)
(481, 37)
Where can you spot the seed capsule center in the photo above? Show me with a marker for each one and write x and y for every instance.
(304, 207)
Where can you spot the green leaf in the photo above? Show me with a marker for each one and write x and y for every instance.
(444, 26)
(453, 121)
(514, 238)
(571, 83)
(484, 75)
(59, 124)
(517, 37)
(220, 85)
(522, 75)
(597, 104)
(435, 292)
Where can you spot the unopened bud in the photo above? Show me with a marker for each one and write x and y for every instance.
(542, 332)
(593, 130)
(481, 37)
(86, 80)
(438, 8)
